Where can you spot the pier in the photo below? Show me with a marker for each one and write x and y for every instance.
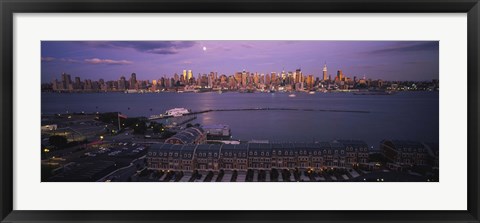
(155, 117)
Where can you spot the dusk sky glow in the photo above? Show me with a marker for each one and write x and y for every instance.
(387, 60)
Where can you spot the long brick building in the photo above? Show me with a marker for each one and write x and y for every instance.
(337, 154)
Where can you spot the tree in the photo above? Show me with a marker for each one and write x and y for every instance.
(158, 127)
(140, 128)
(58, 141)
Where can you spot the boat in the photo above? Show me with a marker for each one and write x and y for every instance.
(292, 95)
(176, 112)
(311, 92)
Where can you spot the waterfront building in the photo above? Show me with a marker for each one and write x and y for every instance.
(283, 155)
(187, 157)
(259, 156)
(356, 152)
(219, 131)
(174, 157)
(234, 157)
(263, 156)
(192, 135)
(207, 157)
(405, 153)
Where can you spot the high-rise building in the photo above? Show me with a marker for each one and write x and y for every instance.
(298, 76)
(66, 81)
(340, 75)
(189, 76)
(244, 78)
(310, 81)
(122, 83)
(325, 72)
(78, 83)
(184, 75)
(133, 81)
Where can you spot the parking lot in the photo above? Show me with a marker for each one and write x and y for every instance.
(248, 176)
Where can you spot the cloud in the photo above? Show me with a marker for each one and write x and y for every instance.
(154, 47)
(67, 60)
(107, 61)
(246, 45)
(408, 47)
(48, 59)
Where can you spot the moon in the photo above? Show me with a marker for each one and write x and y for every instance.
(204, 48)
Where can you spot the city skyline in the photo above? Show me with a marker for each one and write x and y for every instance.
(387, 60)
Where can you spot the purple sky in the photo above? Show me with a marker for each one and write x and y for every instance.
(387, 60)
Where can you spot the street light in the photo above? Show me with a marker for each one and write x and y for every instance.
(46, 150)
(101, 137)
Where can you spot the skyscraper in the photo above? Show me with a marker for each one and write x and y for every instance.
(66, 81)
(325, 72)
(298, 75)
(340, 75)
(133, 81)
(122, 83)
(189, 76)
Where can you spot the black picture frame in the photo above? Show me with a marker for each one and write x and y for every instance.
(9, 7)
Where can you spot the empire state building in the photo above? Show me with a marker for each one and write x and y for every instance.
(325, 72)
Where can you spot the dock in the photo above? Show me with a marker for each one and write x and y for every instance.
(155, 117)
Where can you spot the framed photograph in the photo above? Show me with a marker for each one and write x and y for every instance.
(200, 111)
